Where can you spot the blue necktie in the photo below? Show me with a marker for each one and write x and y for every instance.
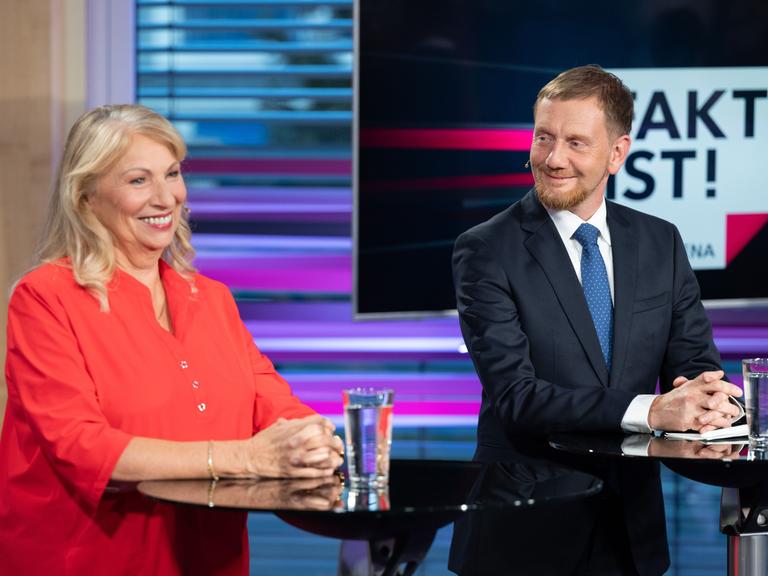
(594, 280)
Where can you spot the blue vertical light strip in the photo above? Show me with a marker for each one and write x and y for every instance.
(172, 32)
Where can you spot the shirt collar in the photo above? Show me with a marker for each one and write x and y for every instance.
(567, 222)
(175, 284)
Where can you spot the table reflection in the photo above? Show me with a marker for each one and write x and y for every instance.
(250, 494)
(661, 447)
(736, 454)
(306, 494)
(542, 512)
(734, 463)
(370, 498)
(647, 445)
(417, 488)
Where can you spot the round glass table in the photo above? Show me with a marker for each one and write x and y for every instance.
(388, 529)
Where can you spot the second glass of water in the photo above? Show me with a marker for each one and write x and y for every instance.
(368, 435)
(755, 372)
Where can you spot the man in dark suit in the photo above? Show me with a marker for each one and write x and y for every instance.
(572, 307)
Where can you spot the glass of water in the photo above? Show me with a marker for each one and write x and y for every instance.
(368, 435)
(755, 371)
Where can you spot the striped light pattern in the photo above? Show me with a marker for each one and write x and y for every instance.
(261, 91)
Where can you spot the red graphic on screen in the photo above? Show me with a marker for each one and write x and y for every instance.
(739, 230)
(452, 182)
(447, 139)
(507, 139)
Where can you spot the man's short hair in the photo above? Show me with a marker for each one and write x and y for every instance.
(586, 81)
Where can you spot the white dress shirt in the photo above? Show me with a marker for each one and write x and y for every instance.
(635, 419)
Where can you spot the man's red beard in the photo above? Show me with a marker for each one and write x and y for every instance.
(561, 200)
(555, 200)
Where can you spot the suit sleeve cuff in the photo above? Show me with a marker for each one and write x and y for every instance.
(635, 419)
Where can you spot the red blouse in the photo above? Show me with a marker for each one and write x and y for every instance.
(82, 382)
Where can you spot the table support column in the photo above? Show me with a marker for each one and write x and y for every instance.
(748, 555)
(384, 557)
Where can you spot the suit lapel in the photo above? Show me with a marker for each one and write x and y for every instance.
(625, 270)
(545, 246)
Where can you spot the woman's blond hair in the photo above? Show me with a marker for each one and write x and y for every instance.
(94, 145)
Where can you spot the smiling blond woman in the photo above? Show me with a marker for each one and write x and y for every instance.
(124, 364)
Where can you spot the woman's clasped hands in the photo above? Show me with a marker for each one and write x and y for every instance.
(303, 447)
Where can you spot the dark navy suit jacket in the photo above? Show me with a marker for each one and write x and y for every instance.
(529, 332)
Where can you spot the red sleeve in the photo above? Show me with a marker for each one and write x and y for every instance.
(274, 398)
(48, 380)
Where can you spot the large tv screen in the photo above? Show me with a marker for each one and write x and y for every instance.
(443, 120)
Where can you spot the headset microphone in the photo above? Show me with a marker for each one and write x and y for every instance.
(527, 163)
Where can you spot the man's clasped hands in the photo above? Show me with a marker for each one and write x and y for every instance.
(701, 404)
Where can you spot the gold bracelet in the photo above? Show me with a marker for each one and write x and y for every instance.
(211, 472)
